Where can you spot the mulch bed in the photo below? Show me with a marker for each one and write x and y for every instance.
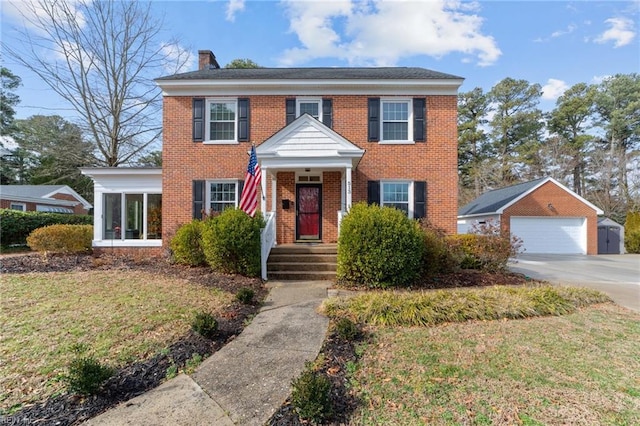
(134, 379)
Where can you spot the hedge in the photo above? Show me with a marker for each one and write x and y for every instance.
(15, 226)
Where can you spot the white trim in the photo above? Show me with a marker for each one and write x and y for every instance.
(207, 122)
(315, 173)
(409, 139)
(69, 191)
(561, 186)
(403, 87)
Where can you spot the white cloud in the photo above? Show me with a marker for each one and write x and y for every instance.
(570, 28)
(233, 7)
(33, 15)
(380, 32)
(621, 32)
(177, 58)
(554, 89)
(597, 79)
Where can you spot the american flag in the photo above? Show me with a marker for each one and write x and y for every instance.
(249, 197)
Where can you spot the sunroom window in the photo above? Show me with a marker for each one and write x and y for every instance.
(140, 219)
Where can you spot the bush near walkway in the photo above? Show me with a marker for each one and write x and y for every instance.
(379, 247)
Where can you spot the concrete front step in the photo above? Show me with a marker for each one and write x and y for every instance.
(303, 262)
(302, 276)
(305, 266)
(305, 249)
(301, 258)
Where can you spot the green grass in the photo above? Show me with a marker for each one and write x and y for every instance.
(495, 356)
(122, 316)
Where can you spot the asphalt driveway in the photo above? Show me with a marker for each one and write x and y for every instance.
(616, 275)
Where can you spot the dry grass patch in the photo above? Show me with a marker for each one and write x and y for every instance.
(579, 369)
(122, 315)
(425, 308)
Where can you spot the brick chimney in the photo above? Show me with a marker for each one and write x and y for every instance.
(207, 60)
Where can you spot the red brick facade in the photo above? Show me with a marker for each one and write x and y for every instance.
(562, 205)
(433, 161)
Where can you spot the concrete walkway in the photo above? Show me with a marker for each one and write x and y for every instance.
(247, 380)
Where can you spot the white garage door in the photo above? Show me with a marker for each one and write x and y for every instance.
(566, 235)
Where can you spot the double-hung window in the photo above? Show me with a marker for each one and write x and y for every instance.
(396, 121)
(398, 195)
(313, 107)
(222, 120)
(222, 195)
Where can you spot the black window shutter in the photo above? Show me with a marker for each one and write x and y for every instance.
(198, 119)
(198, 198)
(373, 192)
(291, 110)
(374, 119)
(419, 119)
(240, 188)
(327, 112)
(243, 120)
(419, 199)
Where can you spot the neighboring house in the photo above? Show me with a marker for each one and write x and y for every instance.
(546, 215)
(43, 198)
(325, 138)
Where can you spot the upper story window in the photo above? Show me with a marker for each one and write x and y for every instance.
(313, 107)
(395, 124)
(222, 120)
(396, 120)
(320, 109)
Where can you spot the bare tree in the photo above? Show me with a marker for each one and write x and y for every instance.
(101, 57)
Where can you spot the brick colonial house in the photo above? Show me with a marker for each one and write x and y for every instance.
(325, 138)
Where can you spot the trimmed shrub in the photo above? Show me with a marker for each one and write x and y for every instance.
(61, 239)
(245, 295)
(379, 247)
(15, 226)
(86, 375)
(204, 324)
(186, 245)
(311, 396)
(231, 242)
(632, 232)
(439, 257)
(346, 329)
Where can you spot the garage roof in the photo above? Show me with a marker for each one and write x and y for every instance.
(496, 201)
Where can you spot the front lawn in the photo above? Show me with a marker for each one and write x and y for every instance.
(122, 315)
(577, 368)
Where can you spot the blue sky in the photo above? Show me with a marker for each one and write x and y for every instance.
(553, 43)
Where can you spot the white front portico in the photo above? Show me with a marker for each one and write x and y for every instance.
(307, 174)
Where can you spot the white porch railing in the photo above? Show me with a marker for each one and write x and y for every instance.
(267, 241)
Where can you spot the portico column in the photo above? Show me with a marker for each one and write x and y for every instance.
(263, 193)
(274, 181)
(348, 188)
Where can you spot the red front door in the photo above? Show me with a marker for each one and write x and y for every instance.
(308, 212)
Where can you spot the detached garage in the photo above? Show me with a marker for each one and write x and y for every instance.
(546, 215)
